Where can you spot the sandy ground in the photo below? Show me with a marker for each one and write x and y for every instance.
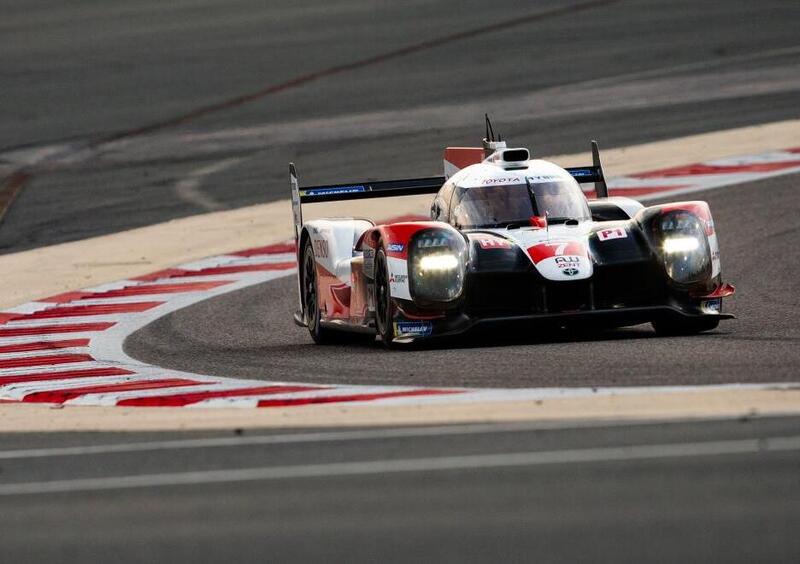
(645, 406)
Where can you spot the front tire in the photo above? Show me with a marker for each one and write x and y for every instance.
(384, 306)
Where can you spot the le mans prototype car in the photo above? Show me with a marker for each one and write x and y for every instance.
(510, 240)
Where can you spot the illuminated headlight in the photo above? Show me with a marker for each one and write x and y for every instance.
(438, 262)
(685, 247)
(436, 265)
(681, 244)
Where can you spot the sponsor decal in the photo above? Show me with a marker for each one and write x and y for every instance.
(613, 233)
(581, 172)
(320, 248)
(369, 262)
(398, 278)
(542, 251)
(494, 243)
(711, 306)
(333, 190)
(413, 328)
(396, 248)
(570, 271)
(568, 263)
(501, 180)
(543, 178)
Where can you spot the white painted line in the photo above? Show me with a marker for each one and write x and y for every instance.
(290, 438)
(388, 466)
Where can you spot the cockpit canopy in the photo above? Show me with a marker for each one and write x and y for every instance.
(502, 205)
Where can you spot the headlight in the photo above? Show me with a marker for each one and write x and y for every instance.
(432, 263)
(437, 263)
(681, 244)
(684, 247)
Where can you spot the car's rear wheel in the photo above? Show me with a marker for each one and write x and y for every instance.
(673, 327)
(384, 307)
(310, 287)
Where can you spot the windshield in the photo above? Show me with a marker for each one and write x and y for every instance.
(503, 205)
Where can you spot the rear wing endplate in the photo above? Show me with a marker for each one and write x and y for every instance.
(594, 173)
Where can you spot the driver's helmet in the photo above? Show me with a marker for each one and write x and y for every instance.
(493, 205)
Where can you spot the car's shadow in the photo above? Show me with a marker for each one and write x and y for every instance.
(507, 338)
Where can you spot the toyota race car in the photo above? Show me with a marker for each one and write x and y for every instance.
(510, 239)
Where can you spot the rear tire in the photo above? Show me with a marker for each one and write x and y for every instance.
(319, 334)
(384, 306)
(672, 327)
(310, 287)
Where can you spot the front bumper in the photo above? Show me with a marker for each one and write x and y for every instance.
(460, 323)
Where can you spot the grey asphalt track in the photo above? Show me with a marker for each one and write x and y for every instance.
(250, 333)
(724, 491)
(622, 71)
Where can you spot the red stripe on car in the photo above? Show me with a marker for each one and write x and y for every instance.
(542, 251)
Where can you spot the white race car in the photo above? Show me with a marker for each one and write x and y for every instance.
(510, 240)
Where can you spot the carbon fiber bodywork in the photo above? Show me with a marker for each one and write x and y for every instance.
(629, 286)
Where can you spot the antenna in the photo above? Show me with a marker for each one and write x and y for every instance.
(489, 143)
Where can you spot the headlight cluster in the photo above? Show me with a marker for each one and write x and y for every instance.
(436, 264)
(684, 247)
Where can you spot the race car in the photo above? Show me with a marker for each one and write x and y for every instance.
(511, 241)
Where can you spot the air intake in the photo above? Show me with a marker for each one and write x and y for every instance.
(514, 156)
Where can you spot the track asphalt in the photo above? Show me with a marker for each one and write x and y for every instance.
(624, 72)
(716, 491)
(250, 333)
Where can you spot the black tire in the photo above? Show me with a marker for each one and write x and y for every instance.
(310, 294)
(674, 327)
(384, 307)
(322, 335)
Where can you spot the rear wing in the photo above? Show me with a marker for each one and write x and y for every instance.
(362, 190)
(414, 186)
(354, 191)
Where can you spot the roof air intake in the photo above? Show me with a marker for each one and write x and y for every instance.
(516, 155)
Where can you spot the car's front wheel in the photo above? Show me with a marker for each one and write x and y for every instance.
(384, 307)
